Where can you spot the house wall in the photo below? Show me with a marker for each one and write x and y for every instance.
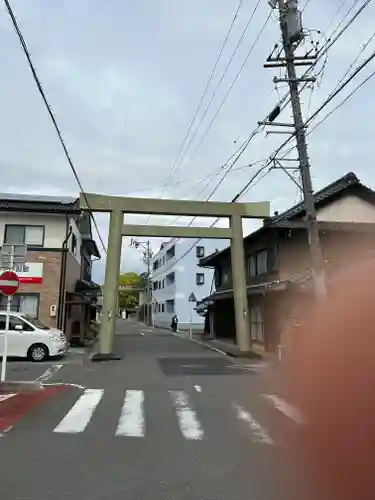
(55, 226)
(48, 290)
(185, 268)
(349, 208)
(50, 256)
(337, 247)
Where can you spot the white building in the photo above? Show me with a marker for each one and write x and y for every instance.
(175, 275)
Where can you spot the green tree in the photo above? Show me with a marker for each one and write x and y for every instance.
(128, 298)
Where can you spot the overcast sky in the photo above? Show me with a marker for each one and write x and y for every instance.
(124, 79)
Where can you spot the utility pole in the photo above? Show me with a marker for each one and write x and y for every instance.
(292, 34)
(147, 256)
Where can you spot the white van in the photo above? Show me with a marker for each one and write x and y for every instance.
(30, 338)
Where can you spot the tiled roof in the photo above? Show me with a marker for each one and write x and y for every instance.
(324, 194)
(38, 203)
(321, 197)
(329, 225)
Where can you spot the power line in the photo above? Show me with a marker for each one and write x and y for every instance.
(51, 115)
(203, 94)
(230, 87)
(207, 108)
(262, 171)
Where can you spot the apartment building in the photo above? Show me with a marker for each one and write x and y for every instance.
(176, 275)
(56, 282)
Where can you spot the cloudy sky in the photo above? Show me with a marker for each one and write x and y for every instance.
(124, 79)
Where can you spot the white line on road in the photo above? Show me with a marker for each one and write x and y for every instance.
(4, 397)
(199, 342)
(286, 408)
(64, 384)
(188, 422)
(258, 432)
(142, 333)
(50, 372)
(80, 415)
(131, 421)
(198, 388)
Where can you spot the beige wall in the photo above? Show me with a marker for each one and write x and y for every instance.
(294, 256)
(55, 226)
(350, 208)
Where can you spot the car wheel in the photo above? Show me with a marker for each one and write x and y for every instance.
(38, 352)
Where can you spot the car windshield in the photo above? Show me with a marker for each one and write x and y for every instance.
(36, 322)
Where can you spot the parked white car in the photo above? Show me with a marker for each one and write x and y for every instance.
(30, 338)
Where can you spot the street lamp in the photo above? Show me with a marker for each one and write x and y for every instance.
(147, 255)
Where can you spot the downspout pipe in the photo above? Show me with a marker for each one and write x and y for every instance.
(64, 247)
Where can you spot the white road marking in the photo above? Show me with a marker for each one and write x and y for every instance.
(199, 342)
(142, 333)
(4, 397)
(81, 413)
(67, 384)
(256, 429)
(187, 420)
(286, 408)
(131, 421)
(198, 388)
(49, 373)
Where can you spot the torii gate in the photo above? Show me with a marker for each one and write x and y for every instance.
(117, 206)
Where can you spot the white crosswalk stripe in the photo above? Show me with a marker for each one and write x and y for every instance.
(187, 419)
(132, 422)
(80, 415)
(259, 434)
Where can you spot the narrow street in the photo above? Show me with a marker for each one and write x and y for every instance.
(172, 419)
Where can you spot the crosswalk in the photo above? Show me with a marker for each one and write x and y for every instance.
(131, 421)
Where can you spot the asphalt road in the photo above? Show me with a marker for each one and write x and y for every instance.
(171, 420)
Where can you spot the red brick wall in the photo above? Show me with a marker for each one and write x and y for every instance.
(49, 289)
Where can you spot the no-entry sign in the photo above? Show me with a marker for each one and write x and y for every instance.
(9, 283)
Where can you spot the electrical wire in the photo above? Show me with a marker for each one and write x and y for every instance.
(174, 166)
(51, 115)
(208, 106)
(230, 88)
(268, 164)
(363, 48)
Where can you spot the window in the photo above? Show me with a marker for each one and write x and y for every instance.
(74, 244)
(256, 324)
(155, 285)
(252, 265)
(164, 283)
(225, 276)
(169, 305)
(170, 279)
(200, 252)
(262, 262)
(170, 253)
(29, 235)
(200, 279)
(24, 303)
(162, 307)
(258, 263)
(14, 322)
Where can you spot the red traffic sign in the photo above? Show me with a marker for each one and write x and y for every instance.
(9, 283)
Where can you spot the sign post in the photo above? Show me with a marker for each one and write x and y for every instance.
(9, 284)
(193, 299)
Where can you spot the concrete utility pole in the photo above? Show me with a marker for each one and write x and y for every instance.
(147, 257)
(291, 29)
